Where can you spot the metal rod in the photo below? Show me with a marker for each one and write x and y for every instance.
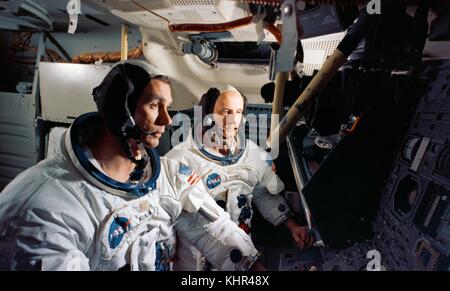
(278, 98)
(318, 83)
(59, 46)
(124, 43)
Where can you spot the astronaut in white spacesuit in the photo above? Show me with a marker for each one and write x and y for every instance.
(235, 171)
(106, 201)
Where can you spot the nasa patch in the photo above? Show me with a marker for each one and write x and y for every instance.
(118, 228)
(213, 181)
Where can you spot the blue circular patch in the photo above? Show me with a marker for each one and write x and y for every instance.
(236, 256)
(213, 181)
(118, 228)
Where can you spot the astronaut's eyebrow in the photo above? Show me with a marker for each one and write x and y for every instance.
(152, 98)
(159, 99)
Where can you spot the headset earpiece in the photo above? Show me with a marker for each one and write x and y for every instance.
(209, 121)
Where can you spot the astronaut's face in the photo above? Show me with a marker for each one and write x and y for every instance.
(152, 111)
(228, 112)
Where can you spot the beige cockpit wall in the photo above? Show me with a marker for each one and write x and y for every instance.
(190, 76)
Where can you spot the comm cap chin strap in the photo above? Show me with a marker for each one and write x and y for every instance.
(79, 157)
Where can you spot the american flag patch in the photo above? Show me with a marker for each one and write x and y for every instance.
(192, 177)
(185, 170)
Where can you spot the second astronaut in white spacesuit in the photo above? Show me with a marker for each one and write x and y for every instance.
(105, 201)
(235, 171)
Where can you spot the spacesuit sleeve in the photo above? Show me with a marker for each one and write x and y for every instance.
(209, 228)
(44, 237)
(266, 195)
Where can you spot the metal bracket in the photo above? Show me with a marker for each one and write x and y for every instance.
(73, 9)
(286, 54)
(35, 90)
(258, 19)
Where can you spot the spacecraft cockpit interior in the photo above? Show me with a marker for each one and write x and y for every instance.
(351, 98)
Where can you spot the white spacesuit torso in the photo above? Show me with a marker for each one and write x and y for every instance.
(58, 216)
(234, 183)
